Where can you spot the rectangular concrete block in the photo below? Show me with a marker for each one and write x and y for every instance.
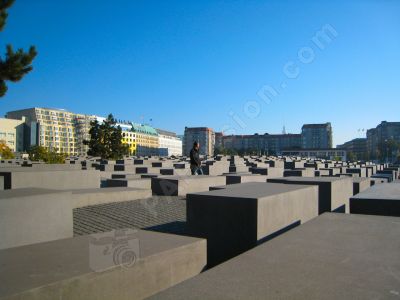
(143, 183)
(304, 172)
(181, 185)
(380, 199)
(86, 197)
(240, 216)
(334, 192)
(58, 180)
(123, 264)
(31, 215)
(334, 256)
(360, 184)
(243, 178)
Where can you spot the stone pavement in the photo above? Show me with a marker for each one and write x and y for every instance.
(158, 213)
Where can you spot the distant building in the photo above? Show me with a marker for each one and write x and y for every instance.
(12, 133)
(380, 140)
(329, 153)
(263, 144)
(147, 141)
(316, 136)
(358, 147)
(170, 144)
(219, 140)
(205, 136)
(55, 129)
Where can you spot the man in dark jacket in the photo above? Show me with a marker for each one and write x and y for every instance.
(195, 162)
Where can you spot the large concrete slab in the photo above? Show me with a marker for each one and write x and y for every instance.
(124, 264)
(182, 185)
(334, 192)
(58, 180)
(143, 183)
(32, 215)
(237, 218)
(334, 256)
(360, 184)
(242, 178)
(381, 199)
(86, 197)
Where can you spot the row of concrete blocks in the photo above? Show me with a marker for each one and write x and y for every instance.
(233, 219)
(34, 215)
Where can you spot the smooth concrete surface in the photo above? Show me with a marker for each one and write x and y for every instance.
(87, 267)
(306, 172)
(381, 199)
(32, 215)
(333, 194)
(360, 184)
(242, 178)
(334, 256)
(57, 180)
(182, 185)
(238, 217)
(143, 183)
(86, 197)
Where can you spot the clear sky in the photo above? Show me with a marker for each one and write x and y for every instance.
(203, 63)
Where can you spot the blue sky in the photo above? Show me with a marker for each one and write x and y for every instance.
(202, 63)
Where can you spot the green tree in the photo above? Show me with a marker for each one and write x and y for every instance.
(106, 139)
(39, 153)
(351, 156)
(5, 151)
(16, 64)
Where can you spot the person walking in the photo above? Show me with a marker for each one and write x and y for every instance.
(195, 162)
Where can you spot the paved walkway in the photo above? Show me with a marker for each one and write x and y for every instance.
(159, 213)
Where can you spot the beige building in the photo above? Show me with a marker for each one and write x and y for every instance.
(55, 129)
(12, 132)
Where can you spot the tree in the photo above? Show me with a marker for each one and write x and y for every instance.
(39, 153)
(106, 139)
(5, 151)
(16, 64)
(351, 156)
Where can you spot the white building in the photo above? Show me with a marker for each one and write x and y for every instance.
(12, 133)
(170, 144)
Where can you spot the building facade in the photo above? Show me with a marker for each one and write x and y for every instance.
(382, 140)
(12, 133)
(262, 144)
(316, 136)
(170, 144)
(204, 135)
(55, 129)
(65, 132)
(356, 147)
(329, 153)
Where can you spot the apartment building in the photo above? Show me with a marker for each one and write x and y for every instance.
(55, 129)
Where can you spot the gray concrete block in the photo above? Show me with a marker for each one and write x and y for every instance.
(360, 184)
(86, 197)
(334, 192)
(181, 185)
(237, 218)
(242, 178)
(89, 267)
(29, 216)
(143, 183)
(59, 180)
(380, 199)
(334, 256)
(304, 172)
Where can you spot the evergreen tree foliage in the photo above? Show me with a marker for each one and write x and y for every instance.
(16, 64)
(106, 139)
